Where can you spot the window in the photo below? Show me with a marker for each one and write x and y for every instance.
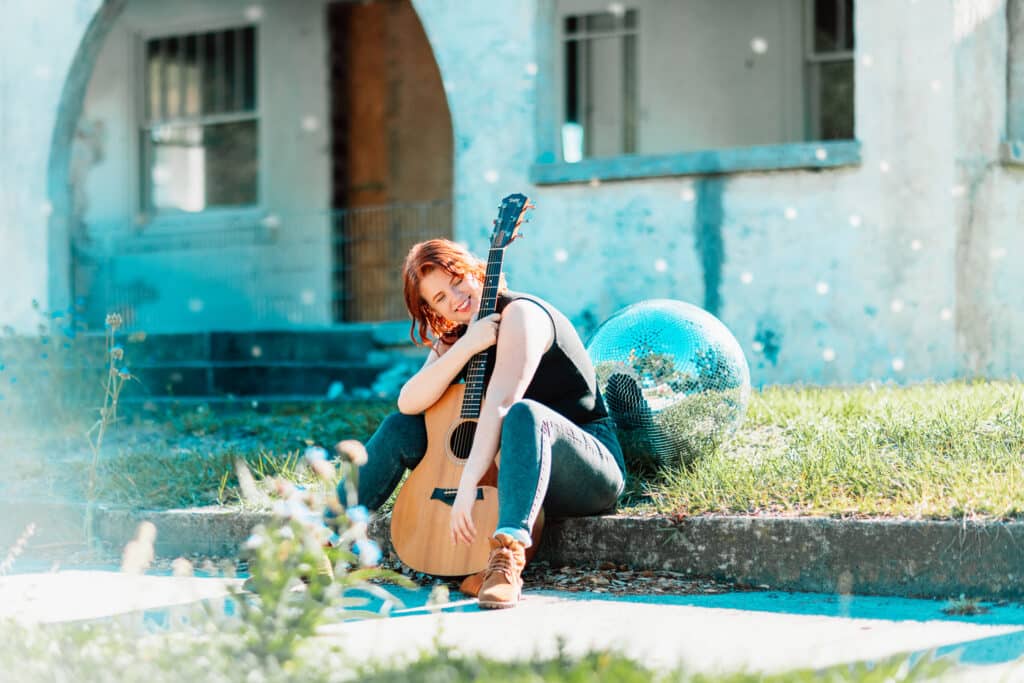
(830, 70)
(200, 133)
(600, 84)
(670, 77)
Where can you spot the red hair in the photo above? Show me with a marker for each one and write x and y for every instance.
(423, 258)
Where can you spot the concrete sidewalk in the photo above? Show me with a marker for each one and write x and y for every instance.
(726, 632)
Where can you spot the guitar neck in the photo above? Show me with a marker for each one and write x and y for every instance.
(477, 367)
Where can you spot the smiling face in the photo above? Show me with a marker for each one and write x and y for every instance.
(454, 297)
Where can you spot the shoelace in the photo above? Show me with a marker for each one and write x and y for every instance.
(501, 561)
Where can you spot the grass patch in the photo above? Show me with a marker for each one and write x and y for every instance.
(931, 451)
(598, 666)
(185, 457)
(212, 650)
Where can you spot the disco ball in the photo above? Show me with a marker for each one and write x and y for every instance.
(674, 379)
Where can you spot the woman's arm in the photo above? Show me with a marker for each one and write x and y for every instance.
(526, 334)
(428, 384)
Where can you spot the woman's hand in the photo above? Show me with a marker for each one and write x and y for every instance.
(481, 334)
(463, 530)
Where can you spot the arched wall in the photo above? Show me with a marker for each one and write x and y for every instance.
(41, 42)
(58, 186)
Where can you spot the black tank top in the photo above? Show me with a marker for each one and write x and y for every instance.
(565, 380)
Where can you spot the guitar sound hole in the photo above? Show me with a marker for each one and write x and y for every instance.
(462, 439)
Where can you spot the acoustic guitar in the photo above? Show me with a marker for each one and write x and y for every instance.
(420, 521)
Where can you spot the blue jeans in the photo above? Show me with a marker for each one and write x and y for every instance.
(572, 470)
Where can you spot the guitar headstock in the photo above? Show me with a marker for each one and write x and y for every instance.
(510, 216)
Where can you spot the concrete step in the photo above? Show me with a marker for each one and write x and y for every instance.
(251, 363)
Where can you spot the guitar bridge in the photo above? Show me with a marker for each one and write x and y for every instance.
(447, 496)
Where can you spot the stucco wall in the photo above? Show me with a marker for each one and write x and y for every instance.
(40, 39)
(824, 276)
(900, 267)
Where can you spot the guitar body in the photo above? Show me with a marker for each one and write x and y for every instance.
(420, 521)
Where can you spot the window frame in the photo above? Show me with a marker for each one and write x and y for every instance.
(549, 169)
(1011, 147)
(812, 59)
(179, 220)
(583, 35)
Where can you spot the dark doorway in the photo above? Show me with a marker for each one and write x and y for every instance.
(392, 152)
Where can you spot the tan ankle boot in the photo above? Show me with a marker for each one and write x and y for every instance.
(471, 584)
(503, 580)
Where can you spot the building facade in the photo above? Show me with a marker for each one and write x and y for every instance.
(838, 180)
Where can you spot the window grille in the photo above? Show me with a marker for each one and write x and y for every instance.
(199, 138)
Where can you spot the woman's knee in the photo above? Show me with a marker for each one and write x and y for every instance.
(520, 431)
(401, 427)
(404, 436)
(522, 417)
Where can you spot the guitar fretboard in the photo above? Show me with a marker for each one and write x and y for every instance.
(477, 367)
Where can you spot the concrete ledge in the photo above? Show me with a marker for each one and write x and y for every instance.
(874, 557)
(798, 155)
(211, 532)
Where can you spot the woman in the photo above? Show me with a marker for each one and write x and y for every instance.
(542, 408)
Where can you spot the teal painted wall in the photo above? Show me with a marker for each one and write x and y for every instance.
(898, 266)
(40, 41)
